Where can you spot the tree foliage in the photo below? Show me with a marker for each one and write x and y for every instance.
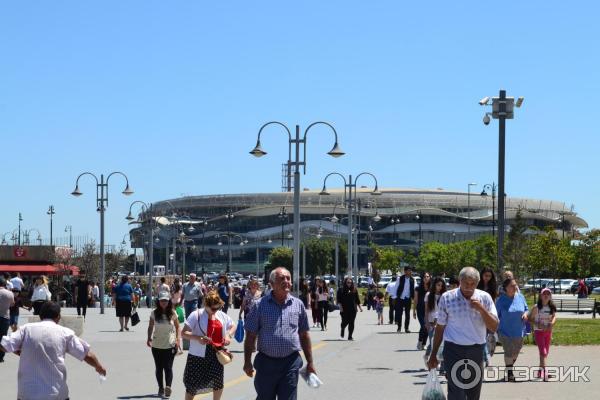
(319, 256)
(387, 259)
(281, 257)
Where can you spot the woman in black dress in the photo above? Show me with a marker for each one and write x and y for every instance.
(419, 299)
(348, 300)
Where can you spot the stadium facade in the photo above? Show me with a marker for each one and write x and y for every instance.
(243, 228)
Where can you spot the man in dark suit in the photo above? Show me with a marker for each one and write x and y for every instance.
(406, 291)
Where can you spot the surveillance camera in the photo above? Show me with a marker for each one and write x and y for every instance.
(486, 119)
(484, 101)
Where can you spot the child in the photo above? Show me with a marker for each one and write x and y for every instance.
(379, 301)
(543, 315)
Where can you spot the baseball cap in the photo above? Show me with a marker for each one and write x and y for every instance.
(546, 290)
(164, 296)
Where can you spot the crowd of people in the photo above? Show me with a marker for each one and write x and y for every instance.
(458, 319)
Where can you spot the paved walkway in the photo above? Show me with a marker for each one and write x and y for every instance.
(379, 363)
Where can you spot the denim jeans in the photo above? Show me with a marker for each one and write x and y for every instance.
(189, 307)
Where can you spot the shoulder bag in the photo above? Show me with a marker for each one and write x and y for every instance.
(224, 356)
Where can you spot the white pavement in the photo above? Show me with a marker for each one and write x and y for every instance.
(379, 363)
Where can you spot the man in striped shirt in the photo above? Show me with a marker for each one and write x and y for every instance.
(42, 347)
(280, 324)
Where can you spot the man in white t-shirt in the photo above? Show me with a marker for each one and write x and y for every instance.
(391, 290)
(17, 282)
(464, 316)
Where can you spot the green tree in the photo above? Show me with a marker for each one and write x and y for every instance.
(549, 255)
(281, 257)
(433, 258)
(387, 259)
(587, 254)
(485, 252)
(319, 256)
(516, 247)
(460, 255)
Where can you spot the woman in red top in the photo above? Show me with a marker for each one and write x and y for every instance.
(208, 330)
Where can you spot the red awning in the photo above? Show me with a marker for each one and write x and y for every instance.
(38, 269)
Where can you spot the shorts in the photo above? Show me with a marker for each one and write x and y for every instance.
(511, 345)
(543, 339)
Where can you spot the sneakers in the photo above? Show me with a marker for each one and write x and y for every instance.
(161, 392)
(167, 391)
(420, 346)
(350, 338)
(407, 330)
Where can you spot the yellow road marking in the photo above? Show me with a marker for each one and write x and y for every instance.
(244, 378)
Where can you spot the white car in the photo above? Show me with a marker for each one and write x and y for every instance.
(596, 290)
(384, 281)
(538, 284)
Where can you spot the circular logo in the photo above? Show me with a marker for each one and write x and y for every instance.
(20, 252)
(466, 374)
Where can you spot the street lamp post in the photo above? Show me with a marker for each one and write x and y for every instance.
(349, 185)
(502, 109)
(394, 222)
(101, 205)
(147, 214)
(20, 219)
(297, 163)
(469, 206)
(492, 187)
(419, 217)
(51, 213)
(282, 217)
(229, 217)
(69, 229)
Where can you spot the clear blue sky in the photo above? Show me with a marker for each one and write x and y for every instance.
(173, 93)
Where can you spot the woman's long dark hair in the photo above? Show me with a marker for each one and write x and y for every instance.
(158, 312)
(432, 293)
(176, 285)
(348, 289)
(550, 304)
(422, 283)
(492, 286)
(323, 289)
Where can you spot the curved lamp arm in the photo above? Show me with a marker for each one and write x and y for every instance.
(335, 150)
(259, 152)
(375, 191)
(324, 190)
(127, 190)
(76, 192)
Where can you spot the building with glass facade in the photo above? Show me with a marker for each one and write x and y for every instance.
(212, 230)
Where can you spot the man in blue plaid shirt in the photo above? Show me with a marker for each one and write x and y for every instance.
(280, 324)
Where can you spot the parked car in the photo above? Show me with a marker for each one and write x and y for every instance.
(561, 285)
(596, 290)
(365, 281)
(538, 284)
(384, 281)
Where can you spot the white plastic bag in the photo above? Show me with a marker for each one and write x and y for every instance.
(433, 389)
(312, 380)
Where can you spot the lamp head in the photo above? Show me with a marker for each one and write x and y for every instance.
(377, 218)
(334, 219)
(269, 241)
(191, 229)
(76, 192)
(129, 216)
(483, 193)
(376, 192)
(127, 191)
(336, 151)
(324, 192)
(257, 151)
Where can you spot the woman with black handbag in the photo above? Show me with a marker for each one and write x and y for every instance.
(209, 331)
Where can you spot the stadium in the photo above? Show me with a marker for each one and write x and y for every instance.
(211, 231)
